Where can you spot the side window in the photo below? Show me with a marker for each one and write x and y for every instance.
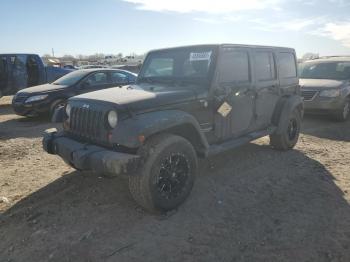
(97, 79)
(119, 78)
(234, 67)
(287, 65)
(18, 62)
(264, 66)
(160, 67)
(3, 66)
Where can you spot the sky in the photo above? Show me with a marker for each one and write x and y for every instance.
(112, 26)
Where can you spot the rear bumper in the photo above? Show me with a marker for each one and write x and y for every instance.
(89, 157)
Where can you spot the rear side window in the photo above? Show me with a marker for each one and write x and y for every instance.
(264, 66)
(287, 65)
(234, 67)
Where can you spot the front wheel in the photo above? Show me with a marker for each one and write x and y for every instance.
(55, 105)
(167, 176)
(343, 114)
(288, 138)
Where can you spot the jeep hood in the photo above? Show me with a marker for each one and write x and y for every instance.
(46, 88)
(320, 84)
(137, 99)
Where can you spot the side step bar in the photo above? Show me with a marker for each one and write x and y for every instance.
(225, 146)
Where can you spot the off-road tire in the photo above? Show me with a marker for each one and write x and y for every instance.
(285, 140)
(156, 150)
(55, 105)
(343, 114)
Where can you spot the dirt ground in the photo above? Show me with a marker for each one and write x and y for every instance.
(249, 204)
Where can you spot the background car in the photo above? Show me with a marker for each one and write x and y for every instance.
(18, 71)
(325, 85)
(92, 66)
(46, 98)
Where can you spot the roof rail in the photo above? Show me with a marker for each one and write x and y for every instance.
(332, 56)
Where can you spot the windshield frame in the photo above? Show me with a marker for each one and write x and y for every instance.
(309, 64)
(82, 74)
(180, 80)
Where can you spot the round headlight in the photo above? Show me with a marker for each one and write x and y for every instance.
(68, 109)
(112, 119)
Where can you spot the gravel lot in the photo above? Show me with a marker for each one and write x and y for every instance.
(249, 204)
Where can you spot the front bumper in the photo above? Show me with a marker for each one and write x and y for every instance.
(89, 157)
(324, 105)
(34, 108)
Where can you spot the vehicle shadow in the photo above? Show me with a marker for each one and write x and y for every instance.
(324, 127)
(251, 204)
(17, 126)
(6, 110)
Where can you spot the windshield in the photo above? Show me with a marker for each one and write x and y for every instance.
(70, 78)
(325, 70)
(192, 64)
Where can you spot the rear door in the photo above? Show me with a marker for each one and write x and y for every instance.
(234, 94)
(267, 86)
(19, 75)
(118, 79)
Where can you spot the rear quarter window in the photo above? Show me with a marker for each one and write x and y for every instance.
(287, 65)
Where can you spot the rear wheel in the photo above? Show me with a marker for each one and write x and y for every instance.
(288, 138)
(167, 176)
(343, 114)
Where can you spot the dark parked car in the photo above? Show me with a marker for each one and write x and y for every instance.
(47, 98)
(189, 102)
(19, 71)
(325, 85)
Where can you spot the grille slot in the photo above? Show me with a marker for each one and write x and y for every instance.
(87, 123)
(308, 95)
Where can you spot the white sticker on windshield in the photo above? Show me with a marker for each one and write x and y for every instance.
(200, 56)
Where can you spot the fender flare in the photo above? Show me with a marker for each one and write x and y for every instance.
(177, 122)
(284, 107)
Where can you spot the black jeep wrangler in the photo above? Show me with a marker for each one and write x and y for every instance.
(188, 102)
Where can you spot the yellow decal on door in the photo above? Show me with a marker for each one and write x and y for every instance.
(224, 109)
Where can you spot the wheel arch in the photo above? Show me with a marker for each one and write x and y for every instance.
(141, 127)
(283, 108)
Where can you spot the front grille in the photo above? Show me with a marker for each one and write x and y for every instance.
(308, 95)
(87, 123)
(20, 97)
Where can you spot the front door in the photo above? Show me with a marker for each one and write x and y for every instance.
(234, 93)
(94, 81)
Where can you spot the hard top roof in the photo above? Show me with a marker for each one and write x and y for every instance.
(224, 45)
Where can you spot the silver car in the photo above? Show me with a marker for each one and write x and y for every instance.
(325, 86)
